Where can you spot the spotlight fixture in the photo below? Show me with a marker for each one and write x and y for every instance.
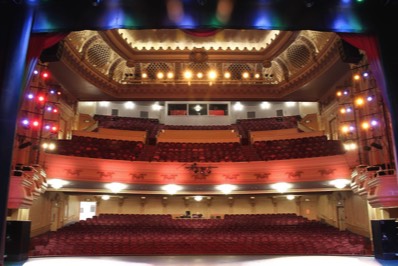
(25, 145)
(376, 145)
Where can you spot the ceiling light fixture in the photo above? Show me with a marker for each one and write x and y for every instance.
(281, 187)
(226, 188)
(171, 188)
(340, 183)
(198, 198)
(115, 187)
(57, 183)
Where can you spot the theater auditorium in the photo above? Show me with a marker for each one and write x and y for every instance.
(198, 132)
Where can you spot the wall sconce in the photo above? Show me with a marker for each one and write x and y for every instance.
(57, 183)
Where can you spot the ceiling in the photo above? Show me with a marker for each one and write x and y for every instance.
(121, 64)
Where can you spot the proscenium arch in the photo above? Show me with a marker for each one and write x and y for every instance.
(21, 18)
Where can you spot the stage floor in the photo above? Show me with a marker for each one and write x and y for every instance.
(206, 261)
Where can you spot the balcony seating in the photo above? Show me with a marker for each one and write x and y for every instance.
(297, 148)
(81, 146)
(199, 152)
(135, 234)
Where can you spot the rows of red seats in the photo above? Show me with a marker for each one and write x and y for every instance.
(99, 148)
(269, 123)
(196, 127)
(199, 152)
(297, 148)
(160, 234)
(152, 126)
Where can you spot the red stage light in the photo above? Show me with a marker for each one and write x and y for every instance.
(45, 75)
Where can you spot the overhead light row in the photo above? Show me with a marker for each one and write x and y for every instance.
(211, 75)
(172, 189)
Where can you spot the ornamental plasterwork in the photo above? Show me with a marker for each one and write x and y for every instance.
(282, 62)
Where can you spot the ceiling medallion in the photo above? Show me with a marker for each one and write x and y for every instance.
(198, 56)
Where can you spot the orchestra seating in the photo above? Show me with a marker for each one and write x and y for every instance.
(82, 146)
(236, 234)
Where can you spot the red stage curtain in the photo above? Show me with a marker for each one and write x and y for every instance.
(37, 43)
(369, 44)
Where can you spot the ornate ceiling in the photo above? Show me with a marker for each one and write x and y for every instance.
(125, 64)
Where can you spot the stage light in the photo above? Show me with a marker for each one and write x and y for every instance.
(374, 123)
(45, 75)
(41, 98)
(376, 145)
(31, 96)
(24, 145)
(25, 122)
(359, 101)
(36, 123)
(365, 125)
